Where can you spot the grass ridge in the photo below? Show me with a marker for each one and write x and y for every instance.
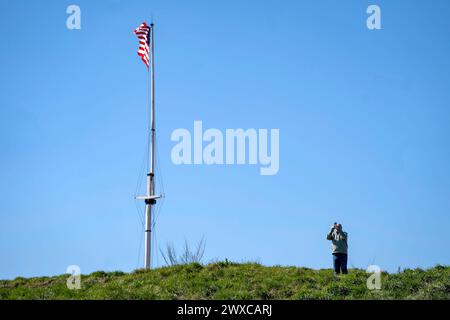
(228, 280)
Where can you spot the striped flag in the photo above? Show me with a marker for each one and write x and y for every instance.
(143, 34)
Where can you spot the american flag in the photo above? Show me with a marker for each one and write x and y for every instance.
(143, 34)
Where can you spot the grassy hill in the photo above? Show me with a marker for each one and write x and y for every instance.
(225, 280)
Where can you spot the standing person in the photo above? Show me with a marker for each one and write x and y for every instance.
(339, 248)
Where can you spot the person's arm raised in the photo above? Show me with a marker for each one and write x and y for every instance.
(330, 234)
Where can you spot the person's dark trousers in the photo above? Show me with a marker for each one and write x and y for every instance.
(340, 263)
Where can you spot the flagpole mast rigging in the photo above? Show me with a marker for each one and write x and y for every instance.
(147, 53)
(149, 202)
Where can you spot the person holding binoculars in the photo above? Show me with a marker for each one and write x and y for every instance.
(339, 248)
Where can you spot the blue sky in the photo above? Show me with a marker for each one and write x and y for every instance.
(363, 118)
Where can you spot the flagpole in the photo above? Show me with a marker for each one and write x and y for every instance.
(150, 201)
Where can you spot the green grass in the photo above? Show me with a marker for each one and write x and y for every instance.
(226, 280)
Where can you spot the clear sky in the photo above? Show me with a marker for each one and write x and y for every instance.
(363, 118)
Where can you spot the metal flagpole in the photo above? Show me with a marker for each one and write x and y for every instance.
(150, 199)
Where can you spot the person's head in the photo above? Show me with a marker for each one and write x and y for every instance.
(339, 226)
